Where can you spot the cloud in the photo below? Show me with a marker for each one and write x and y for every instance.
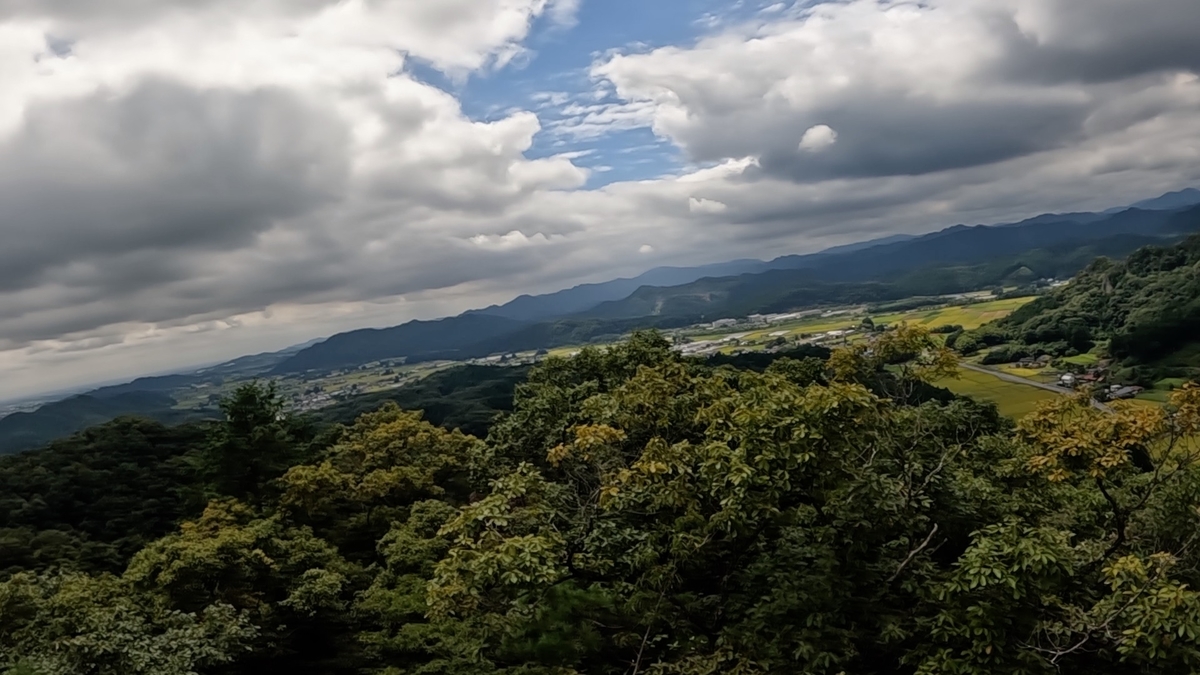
(705, 206)
(909, 88)
(158, 168)
(194, 180)
(817, 138)
(564, 13)
(453, 35)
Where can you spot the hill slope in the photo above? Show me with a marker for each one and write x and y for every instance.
(445, 338)
(1147, 306)
(23, 431)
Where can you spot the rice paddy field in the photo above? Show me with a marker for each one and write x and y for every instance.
(1012, 399)
(1083, 359)
(967, 316)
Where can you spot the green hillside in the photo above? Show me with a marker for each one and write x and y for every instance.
(1143, 311)
(22, 431)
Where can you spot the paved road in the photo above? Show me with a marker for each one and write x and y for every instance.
(1021, 380)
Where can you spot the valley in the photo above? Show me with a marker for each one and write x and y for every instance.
(968, 284)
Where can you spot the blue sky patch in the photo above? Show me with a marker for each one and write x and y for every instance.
(577, 116)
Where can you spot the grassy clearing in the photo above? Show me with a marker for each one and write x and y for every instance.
(1042, 375)
(1013, 400)
(1082, 359)
(1155, 396)
(1027, 373)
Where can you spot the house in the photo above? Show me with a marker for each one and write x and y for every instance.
(1126, 392)
(1028, 362)
(1045, 360)
(1067, 380)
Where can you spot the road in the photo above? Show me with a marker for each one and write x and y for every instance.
(1032, 383)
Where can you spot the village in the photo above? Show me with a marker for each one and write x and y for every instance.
(1092, 378)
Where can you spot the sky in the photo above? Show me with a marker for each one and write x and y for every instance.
(185, 181)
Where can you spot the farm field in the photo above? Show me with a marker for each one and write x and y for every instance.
(1013, 400)
(1043, 375)
(968, 316)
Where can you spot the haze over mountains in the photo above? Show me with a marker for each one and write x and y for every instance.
(956, 259)
(476, 333)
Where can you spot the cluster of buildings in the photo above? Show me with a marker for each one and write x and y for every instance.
(707, 347)
(511, 359)
(1094, 376)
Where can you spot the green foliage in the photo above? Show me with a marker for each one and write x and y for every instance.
(294, 586)
(256, 443)
(89, 502)
(643, 512)
(384, 463)
(467, 398)
(1147, 307)
(70, 624)
(947, 329)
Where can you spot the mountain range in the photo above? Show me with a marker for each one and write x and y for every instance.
(956, 259)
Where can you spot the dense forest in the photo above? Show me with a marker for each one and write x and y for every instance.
(634, 512)
(1145, 309)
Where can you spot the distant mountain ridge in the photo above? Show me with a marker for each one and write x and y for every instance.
(479, 332)
(585, 296)
(1167, 202)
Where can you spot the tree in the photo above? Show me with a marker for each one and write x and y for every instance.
(256, 442)
(293, 586)
(896, 363)
(70, 624)
(642, 512)
(384, 463)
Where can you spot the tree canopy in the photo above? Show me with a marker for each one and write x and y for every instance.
(642, 512)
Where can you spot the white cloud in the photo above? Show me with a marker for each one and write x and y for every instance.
(706, 206)
(513, 239)
(645, 248)
(909, 88)
(817, 138)
(565, 12)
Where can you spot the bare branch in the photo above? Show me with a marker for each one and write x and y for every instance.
(913, 553)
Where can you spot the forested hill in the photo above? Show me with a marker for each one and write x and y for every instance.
(962, 245)
(25, 430)
(1147, 306)
(636, 512)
